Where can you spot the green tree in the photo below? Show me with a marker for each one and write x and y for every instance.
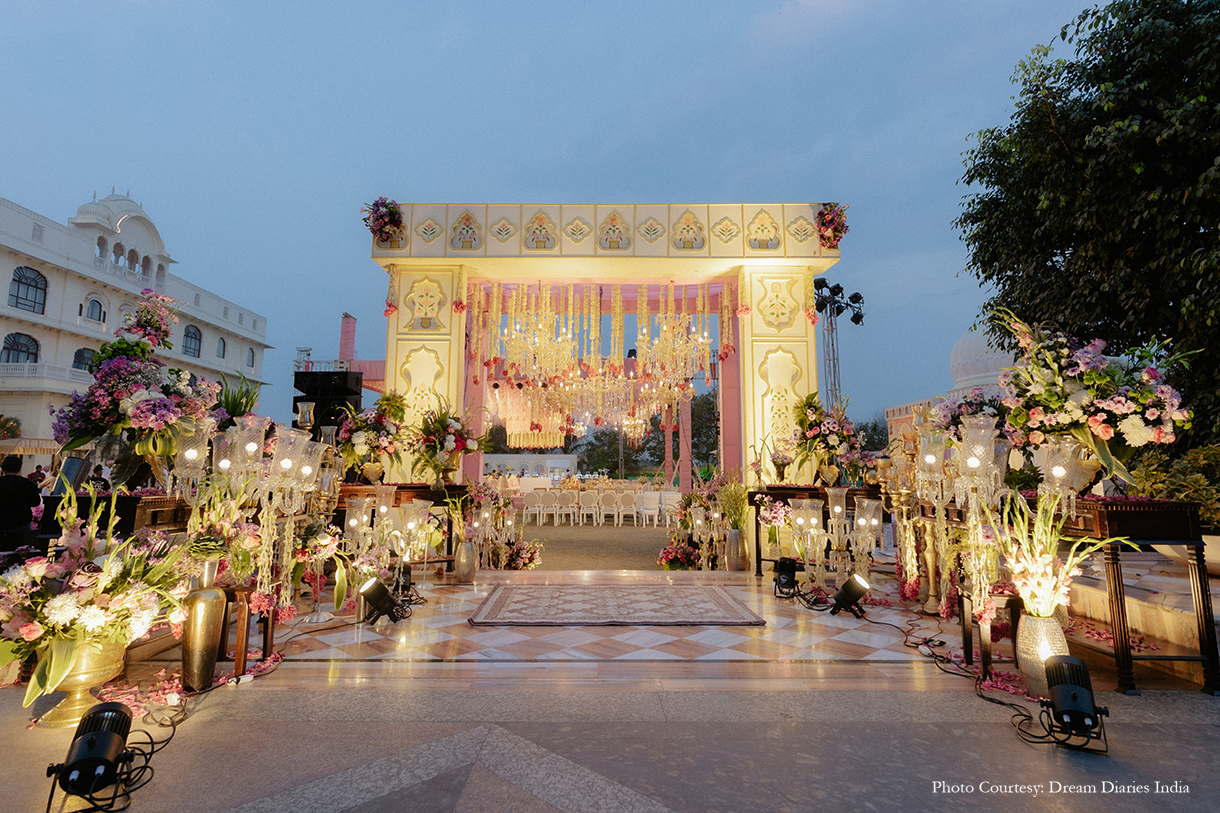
(874, 433)
(10, 427)
(1098, 209)
(599, 450)
(705, 433)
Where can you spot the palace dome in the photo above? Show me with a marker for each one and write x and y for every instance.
(974, 362)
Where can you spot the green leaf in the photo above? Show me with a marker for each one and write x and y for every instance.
(64, 652)
(1114, 468)
(38, 680)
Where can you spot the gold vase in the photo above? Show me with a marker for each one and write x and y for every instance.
(372, 471)
(202, 630)
(96, 662)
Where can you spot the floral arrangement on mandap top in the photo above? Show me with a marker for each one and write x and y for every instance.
(381, 430)
(145, 408)
(832, 224)
(440, 439)
(384, 219)
(1061, 385)
(100, 588)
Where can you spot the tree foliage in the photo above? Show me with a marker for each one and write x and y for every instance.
(10, 427)
(598, 451)
(1098, 209)
(705, 433)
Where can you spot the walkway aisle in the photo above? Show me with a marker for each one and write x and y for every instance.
(806, 713)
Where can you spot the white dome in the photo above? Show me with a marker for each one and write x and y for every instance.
(974, 362)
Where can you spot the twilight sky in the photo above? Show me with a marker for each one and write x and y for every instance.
(252, 132)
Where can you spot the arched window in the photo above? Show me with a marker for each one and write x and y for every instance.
(146, 266)
(101, 248)
(94, 311)
(28, 290)
(192, 341)
(133, 260)
(250, 357)
(220, 347)
(19, 349)
(118, 254)
(81, 359)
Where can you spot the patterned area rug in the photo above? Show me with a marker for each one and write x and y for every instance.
(561, 605)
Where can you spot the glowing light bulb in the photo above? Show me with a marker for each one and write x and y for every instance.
(382, 508)
(224, 464)
(1058, 471)
(251, 446)
(838, 510)
(929, 459)
(191, 454)
(1044, 650)
(306, 470)
(973, 462)
(285, 464)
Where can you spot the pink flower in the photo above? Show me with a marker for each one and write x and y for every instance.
(1037, 438)
(1036, 415)
(31, 631)
(1150, 375)
(37, 567)
(1099, 427)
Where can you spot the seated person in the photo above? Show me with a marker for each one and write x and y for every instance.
(98, 480)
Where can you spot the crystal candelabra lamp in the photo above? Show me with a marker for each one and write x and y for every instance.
(978, 476)
(807, 526)
(191, 462)
(328, 433)
(358, 523)
(866, 535)
(838, 527)
(1062, 470)
(305, 415)
(931, 483)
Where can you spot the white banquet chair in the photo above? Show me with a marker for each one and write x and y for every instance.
(608, 505)
(670, 500)
(533, 507)
(588, 505)
(549, 507)
(626, 508)
(648, 505)
(566, 506)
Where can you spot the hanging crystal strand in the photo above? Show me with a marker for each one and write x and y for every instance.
(474, 341)
(616, 328)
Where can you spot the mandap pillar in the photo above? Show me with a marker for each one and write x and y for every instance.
(425, 341)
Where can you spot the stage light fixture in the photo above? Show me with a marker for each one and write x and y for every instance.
(849, 595)
(97, 754)
(380, 602)
(1074, 718)
(785, 577)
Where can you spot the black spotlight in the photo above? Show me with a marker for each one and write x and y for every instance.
(97, 753)
(785, 577)
(849, 595)
(1074, 718)
(381, 602)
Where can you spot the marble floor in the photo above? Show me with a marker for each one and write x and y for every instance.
(809, 712)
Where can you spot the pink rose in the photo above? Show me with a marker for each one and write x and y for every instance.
(1035, 415)
(1037, 438)
(31, 631)
(37, 567)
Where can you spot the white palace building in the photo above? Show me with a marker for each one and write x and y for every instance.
(69, 287)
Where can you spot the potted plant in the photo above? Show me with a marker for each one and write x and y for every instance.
(1029, 539)
(732, 499)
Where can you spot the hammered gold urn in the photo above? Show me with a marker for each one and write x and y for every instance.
(97, 661)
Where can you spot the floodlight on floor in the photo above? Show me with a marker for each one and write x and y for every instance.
(98, 756)
(381, 602)
(785, 577)
(1071, 715)
(849, 595)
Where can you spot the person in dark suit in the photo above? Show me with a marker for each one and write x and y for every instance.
(17, 497)
(98, 480)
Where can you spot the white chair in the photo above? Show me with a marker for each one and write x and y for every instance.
(626, 508)
(588, 505)
(550, 505)
(533, 506)
(670, 500)
(648, 505)
(608, 505)
(566, 506)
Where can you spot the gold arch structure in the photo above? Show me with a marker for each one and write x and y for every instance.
(764, 256)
